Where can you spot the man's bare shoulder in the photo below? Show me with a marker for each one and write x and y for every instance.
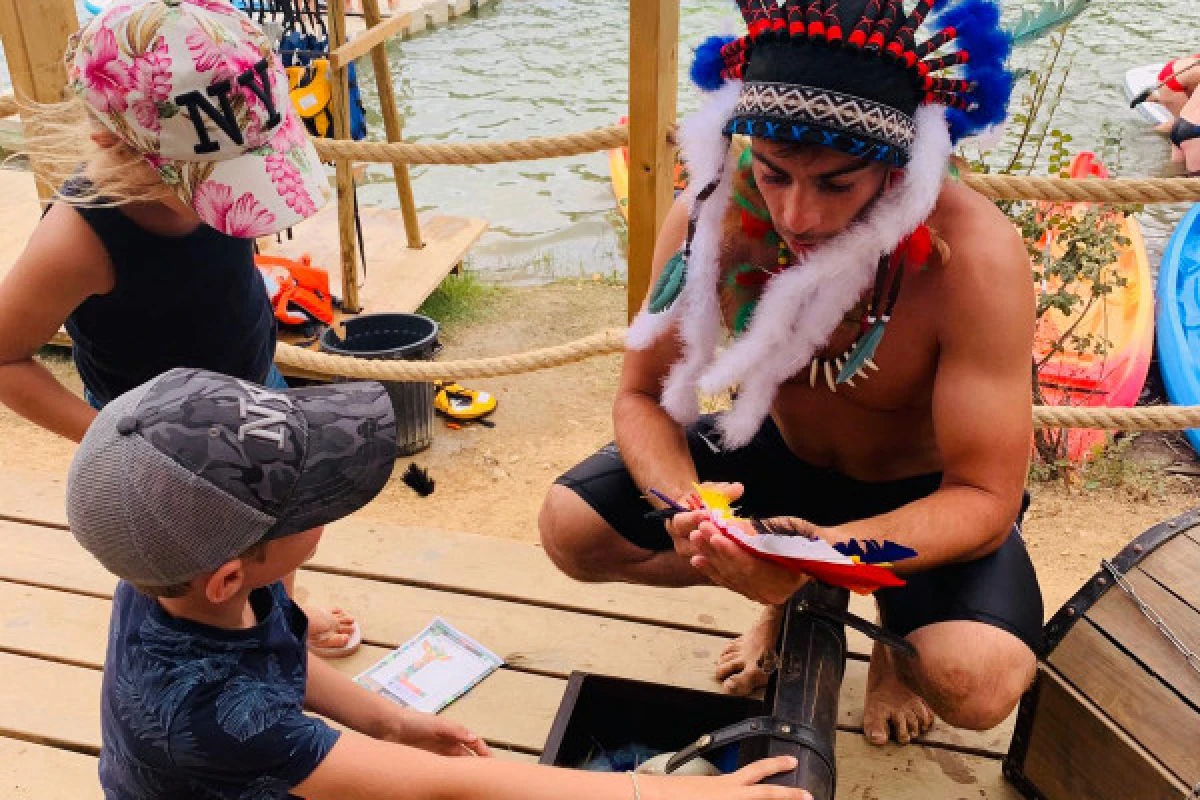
(987, 277)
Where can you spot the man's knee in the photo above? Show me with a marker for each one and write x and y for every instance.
(563, 526)
(975, 690)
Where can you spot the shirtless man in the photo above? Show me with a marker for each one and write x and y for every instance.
(927, 445)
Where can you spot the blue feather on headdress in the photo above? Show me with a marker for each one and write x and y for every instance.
(870, 551)
(708, 63)
(977, 23)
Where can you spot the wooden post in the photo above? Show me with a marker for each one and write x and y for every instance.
(653, 84)
(394, 127)
(345, 170)
(34, 33)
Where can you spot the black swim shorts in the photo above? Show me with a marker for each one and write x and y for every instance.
(1000, 589)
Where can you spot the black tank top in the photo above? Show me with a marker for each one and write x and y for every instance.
(186, 301)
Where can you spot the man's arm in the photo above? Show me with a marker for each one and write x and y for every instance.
(981, 404)
(654, 446)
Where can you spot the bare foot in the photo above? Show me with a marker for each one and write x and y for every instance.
(891, 707)
(329, 631)
(746, 663)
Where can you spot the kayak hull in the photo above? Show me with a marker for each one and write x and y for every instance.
(1125, 318)
(1179, 317)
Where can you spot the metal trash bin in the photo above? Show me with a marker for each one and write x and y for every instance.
(395, 337)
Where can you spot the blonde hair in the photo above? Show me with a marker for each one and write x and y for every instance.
(60, 145)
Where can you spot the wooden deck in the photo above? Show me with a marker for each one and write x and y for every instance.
(54, 606)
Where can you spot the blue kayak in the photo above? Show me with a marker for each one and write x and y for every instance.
(1179, 317)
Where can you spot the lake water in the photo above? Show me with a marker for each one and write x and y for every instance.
(522, 68)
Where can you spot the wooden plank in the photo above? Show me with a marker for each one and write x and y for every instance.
(510, 708)
(370, 38)
(450, 560)
(395, 129)
(1075, 754)
(459, 7)
(31, 771)
(1117, 615)
(399, 278)
(537, 639)
(653, 85)
(437, 13)
(905, 773)
(1145, 708)
(1176, 566)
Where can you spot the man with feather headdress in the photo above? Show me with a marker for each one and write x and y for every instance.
(882, 321)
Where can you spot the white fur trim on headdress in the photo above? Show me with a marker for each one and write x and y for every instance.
(705, 149)
(802, 306)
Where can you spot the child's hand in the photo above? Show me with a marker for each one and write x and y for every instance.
(741, 785)
(435, 734)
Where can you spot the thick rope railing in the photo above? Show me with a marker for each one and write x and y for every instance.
(309, 361)
(608, 342)
(1124, 191)
(1129, 191)
(490, 152)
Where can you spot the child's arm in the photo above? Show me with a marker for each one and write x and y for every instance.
(359, 768)
(334, 695)
(63, 264)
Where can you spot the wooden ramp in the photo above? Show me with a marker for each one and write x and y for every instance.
(54, 606)
(426, 14)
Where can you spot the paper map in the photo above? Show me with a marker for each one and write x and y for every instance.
(431, 670)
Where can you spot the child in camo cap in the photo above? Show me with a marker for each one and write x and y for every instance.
(201, 492)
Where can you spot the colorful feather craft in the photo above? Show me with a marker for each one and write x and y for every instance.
(862, 567)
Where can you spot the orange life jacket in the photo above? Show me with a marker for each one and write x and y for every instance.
(299, 291)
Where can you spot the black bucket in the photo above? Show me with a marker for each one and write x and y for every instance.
(395, 337)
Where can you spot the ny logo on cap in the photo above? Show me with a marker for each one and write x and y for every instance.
(198, 106)
(260, 421)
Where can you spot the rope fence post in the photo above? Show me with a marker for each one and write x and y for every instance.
(394, 127)
(35, 33)
(653, 86)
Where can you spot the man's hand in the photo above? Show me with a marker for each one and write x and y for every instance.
(681, 526)
(433, 733)
(725, 563)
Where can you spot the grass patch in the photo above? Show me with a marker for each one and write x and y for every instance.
(460, 299)
(1116, 467)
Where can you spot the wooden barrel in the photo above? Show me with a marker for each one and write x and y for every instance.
(1115, 709)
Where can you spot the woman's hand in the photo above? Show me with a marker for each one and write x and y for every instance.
(740, 785)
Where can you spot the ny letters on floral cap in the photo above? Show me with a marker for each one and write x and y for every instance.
(194, 86)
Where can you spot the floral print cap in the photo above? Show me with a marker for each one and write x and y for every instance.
(195, 87)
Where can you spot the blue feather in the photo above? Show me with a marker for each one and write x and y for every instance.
(873, 552)
(977, 23)
(707, 66)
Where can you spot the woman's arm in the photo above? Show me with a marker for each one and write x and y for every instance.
(63, 264)
(360, 768)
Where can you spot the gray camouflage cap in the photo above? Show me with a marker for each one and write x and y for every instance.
(186, 471)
